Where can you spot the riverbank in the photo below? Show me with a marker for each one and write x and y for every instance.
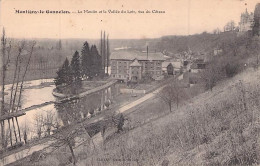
(135, 106)
(123, 106)
(87, 92)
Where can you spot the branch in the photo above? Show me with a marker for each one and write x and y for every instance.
(15, 73)
(26, 68)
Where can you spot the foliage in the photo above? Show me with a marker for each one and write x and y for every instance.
(231, 69)
(256, 26)
(87, 66)
(96, 66)
(86, 60)
(76, 72)
(64, 76)
(211, 75)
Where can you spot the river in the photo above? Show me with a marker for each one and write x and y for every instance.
(36, 92)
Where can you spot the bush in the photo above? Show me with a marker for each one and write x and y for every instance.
(231, 69)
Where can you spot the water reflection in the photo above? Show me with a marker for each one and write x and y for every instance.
(85, 107)
(42, 121)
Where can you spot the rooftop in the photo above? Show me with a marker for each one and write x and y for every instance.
(135, 63)
(131, 55)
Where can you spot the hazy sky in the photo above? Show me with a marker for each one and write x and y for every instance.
(198, 15)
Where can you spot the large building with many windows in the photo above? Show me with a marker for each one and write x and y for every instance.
(134, 65)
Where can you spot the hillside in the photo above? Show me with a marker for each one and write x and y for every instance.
(215, 128)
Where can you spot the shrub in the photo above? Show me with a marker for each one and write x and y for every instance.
(231, 69)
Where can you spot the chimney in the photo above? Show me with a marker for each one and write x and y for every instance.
(147, 51)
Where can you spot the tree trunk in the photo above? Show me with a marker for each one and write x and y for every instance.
(177, 102)
(72, 153)
(10, 132)
(2, 112)
(14, 130)
(19, 132)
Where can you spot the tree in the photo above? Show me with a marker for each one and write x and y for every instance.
(96, 66)
(86, 60)
(120, 123)
(107, 54)
(216, 31)
(25, 130)
(66, 137)
(256, 26)
(255, 48)
(39, 124)
(63, 74)
(172, 93)
(76, 71)
(16, 86)
(49, 122)
(59, 45)
(211, 75)
(230, 26)
(70, 113)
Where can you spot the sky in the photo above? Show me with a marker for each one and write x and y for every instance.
(181, 17)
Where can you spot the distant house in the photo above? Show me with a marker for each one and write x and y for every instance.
(185, 62)
(170, 69)
(197, 66)
(217, 51)
(176, 66)
(192, 78)
(133, 65)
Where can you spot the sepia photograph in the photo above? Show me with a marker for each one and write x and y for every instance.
(129, 83)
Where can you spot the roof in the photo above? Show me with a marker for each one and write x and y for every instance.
(131, 55)
(198, 66)
(135, 63)
(175, 64)
(194, 66)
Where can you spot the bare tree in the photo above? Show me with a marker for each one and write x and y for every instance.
(2, 112)
(216, 31)
(172, 93)
(65, 138)
(49, 122)
(16, 89)
(230, 26)
(39, 124)
(25, 131)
